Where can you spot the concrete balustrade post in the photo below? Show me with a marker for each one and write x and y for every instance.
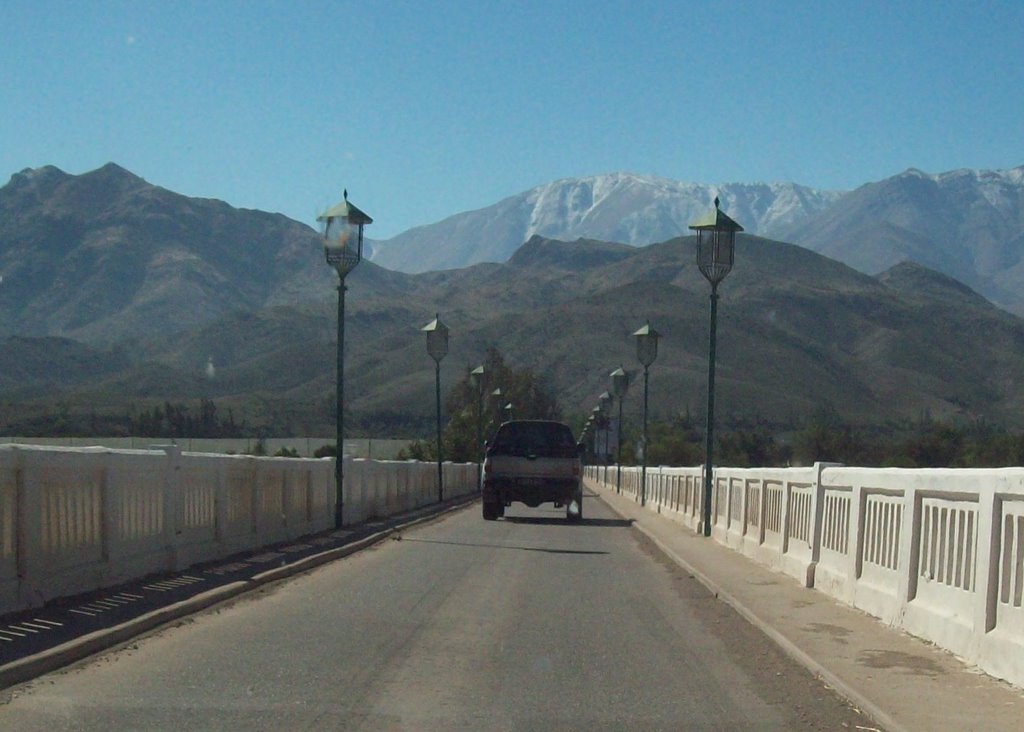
(762, 520)
(261, 498)
(701, 499)
(818, 513)
(109, 509)
(171, 499)
(356, 491)
(855, 539)
(990, 510)
(28, 529)
(744, 509)
(9, 530)
(787, 497)
(909, 548)
(310, 497)
(249, 470)
(220, 506)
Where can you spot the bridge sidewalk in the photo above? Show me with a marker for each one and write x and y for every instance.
(902, 682)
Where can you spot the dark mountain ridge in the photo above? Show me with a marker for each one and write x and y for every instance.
(165, 286)
(968, 224)
(796, 331)
(105, 255)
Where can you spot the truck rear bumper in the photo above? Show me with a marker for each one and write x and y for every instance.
(532, 492)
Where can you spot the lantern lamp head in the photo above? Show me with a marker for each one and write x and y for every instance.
(476, 378)
(437, 338)
(647, 344)
(716, 244)
(620, 383)
(342, 231)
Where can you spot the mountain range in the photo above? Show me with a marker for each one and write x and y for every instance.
(175, 284)
(621, 207)
(968, 224)
(105, 255)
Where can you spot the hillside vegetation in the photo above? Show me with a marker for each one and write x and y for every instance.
(119, 296)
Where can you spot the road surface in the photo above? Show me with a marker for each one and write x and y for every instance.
(527, 623)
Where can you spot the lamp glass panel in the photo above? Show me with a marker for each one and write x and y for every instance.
(343, 243)
(620, 384)
(437, 343)
(715, 252)
(646, 349)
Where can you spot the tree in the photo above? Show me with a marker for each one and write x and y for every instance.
(528, 392)
(751, 448)
(937, 446)
(827, 437)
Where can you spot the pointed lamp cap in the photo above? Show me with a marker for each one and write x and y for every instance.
(648, 331)
(715, 221)
(345, 210)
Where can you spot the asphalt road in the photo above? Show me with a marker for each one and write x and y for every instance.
(527, 623)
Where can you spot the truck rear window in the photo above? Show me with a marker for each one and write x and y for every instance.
(543, 439)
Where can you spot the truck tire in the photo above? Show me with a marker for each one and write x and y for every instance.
(490, 511)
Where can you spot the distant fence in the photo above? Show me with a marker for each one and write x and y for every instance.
(363, 447)
(76, 519)
(936, 552)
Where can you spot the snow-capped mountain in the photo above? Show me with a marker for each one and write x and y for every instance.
(968, 224)
(619, 207)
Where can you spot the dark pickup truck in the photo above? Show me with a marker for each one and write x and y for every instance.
(533, 462)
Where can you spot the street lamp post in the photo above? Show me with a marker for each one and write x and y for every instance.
(606, 401)
(342, 230)
(437, 347)
(716, 247)
(646, 351)
(620, 385)
(587, 432)
(476, 377)
(494, 408)
(584, 441)
(597, 415)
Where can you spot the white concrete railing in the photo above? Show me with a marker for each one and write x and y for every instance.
(77, 519)
(936, 552)
(356, 447)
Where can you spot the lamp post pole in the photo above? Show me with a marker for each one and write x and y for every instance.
(587, 437)
(606, 400)
(620, 385)
(716, 247)
(496, 408)
(646, 351)
(440, 457)
(477, 377)
(437, 347)
(343, 248)
(339, 427)
(709, 429)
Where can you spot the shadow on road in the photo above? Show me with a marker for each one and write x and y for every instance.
(544, 520)
(505, 546)
(98, 613)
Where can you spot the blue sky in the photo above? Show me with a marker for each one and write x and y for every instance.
(426, 109)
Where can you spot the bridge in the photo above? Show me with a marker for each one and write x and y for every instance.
(444, 621)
